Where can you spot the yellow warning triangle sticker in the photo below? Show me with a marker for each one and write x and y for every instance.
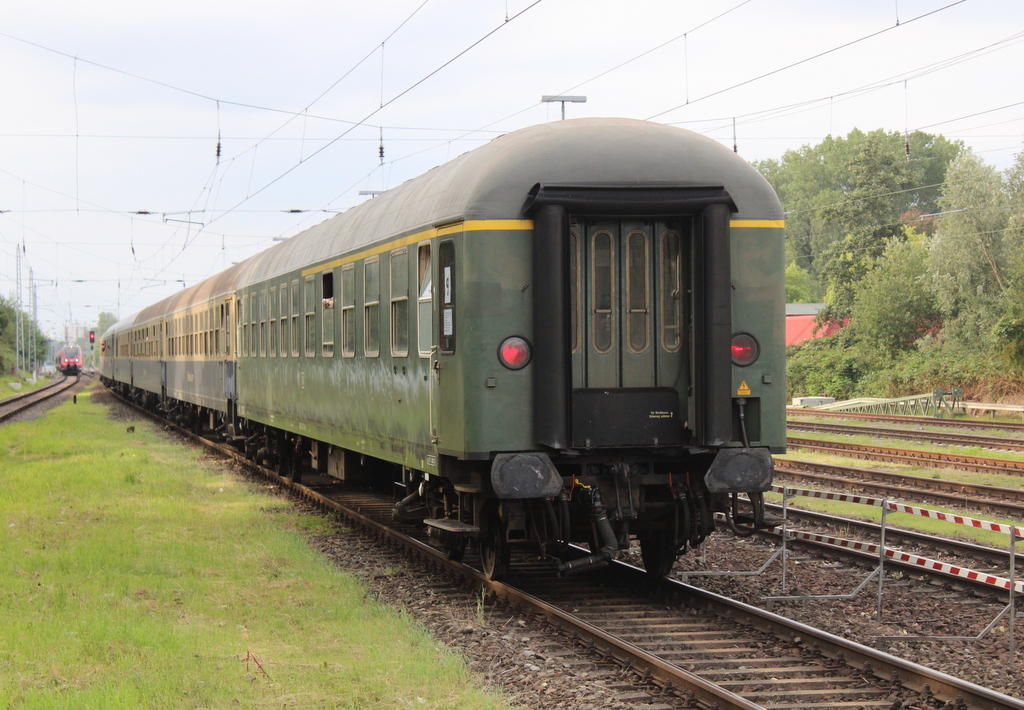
(744, 389)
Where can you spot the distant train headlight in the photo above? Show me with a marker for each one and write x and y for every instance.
(514, 353)
(745, 349)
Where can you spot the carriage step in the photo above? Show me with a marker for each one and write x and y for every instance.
(452, 526)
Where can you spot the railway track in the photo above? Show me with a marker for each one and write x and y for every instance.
(911, 457)
(693, 644)
(995, 499)
(990, 442)
(694, 648)
(12, 406)
(959, 553)
(997, 557)
(909, 420)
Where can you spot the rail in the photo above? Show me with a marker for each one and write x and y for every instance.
(1011, 584)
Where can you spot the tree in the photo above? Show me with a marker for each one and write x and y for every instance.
(800, 287)
(894, 305)
(104, 321)
(855, 189)
(968, 258)
(35, 341)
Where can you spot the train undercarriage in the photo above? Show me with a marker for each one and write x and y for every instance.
(596, 509)
(603, 507)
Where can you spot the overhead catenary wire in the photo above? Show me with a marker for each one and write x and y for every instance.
(390, 101)
(200, 207)
(819, 55)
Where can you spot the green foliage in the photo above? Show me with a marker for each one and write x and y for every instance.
(1008, 334)
(893, 304)
(855, 187)
(800, 286)
(825, 367)
(103, 322)
(968, 256)
(937, 361)
(8, 338)
(921, 259)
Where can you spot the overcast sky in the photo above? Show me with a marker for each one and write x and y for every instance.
(112, 109)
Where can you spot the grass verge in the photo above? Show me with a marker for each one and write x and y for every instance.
(134, 574)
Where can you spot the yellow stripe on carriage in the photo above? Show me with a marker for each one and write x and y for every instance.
(475, 225)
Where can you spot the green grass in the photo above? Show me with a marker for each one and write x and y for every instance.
(7, 391)
(907, 521)
(134, 575)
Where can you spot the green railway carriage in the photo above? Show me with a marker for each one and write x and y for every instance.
(572, 333)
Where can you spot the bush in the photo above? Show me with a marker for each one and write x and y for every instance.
(938, 362)
(823, 367)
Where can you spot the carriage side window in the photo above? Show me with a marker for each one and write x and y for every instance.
(227, 328)
(371, 307)
(327, 299)
(400, 303)
(574, 285)
(309, 287)
(671, 292)
(425, 300)
(637, 295)
(241, 329)
(348, 310)
(295, 317)
(446, 270)
(254, 316)
(603, 294)
(263, 323)
(272, 318)
(283, 293)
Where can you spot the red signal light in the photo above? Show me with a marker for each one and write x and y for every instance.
(745, 349)
(92, 336)
(514, 353)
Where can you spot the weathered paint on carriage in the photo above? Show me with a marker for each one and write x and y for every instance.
(759, 308)
(404, 410)
(382, 405)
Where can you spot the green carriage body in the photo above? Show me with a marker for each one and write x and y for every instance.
(625, 255)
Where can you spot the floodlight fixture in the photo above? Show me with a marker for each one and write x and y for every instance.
(562, 99)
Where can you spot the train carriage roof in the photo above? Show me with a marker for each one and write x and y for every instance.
(494, 181)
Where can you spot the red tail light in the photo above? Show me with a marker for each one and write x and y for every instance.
(514, 353)
(745, 349)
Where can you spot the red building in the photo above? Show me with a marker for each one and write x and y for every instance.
(800, 325)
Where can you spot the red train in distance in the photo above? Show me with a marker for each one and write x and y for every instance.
(69, 360)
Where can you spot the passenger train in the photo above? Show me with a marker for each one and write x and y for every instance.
(69, 360)
(571, 334)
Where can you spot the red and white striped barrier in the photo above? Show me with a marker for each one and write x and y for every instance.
(842, 497)
(922, 562)
(902, 508)
(958, 519)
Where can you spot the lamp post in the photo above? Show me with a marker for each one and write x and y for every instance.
(563, 100)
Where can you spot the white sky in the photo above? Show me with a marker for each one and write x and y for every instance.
(113, 107)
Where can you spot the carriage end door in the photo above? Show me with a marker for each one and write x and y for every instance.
(628, 359)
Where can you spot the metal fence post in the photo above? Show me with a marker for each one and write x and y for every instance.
(881, 560)
(1013, 593)
(786, 495)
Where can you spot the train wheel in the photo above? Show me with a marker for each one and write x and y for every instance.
(658, 552)
(455, 549)
(494, 551)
